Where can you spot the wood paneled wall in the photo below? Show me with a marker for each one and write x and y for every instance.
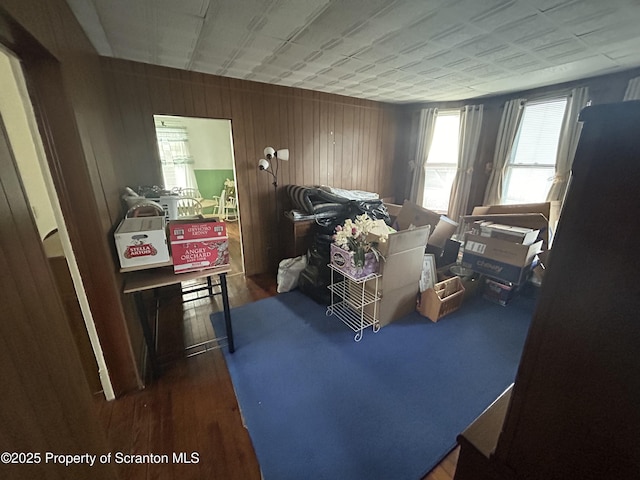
(333, 140)
(46, 403)
(64, 78)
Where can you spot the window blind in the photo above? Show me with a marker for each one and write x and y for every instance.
(537, 139)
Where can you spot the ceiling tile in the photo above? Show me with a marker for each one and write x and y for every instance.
(542, 40)
(503, 14)
(404, 49)
(482, 45)
(612, 34)
(545, 5)
(525, 29)
(465, 10)
(563, 47)
(190, 7)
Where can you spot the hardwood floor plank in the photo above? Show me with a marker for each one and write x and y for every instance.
(161, 431)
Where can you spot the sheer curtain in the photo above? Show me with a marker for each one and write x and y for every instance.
(633, 89)
(507, 131)
(569, 135)
(470, 124)
(177, 162)
(425, 126)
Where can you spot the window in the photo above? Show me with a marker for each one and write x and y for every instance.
(530, 170)
(177, 163)
(442, 161)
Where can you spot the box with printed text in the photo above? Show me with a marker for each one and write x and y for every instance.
(141, 242)
(198, 244)
(501, 259)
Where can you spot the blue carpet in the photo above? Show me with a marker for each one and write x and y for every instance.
(320, 406)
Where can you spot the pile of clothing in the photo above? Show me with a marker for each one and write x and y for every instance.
(329, 207)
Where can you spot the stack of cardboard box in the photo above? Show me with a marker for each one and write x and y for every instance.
(503, 242)
(401, 268)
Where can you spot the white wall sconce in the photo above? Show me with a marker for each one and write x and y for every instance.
(270, 165)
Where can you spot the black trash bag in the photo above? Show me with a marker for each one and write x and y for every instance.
(313, 283)
(327, 226)
(375, 209)
(323, 242)
(317, 256)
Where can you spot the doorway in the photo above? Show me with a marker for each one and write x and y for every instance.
(196, 155)
(46, 214)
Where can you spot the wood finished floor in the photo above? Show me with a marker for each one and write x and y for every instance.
(192, 407)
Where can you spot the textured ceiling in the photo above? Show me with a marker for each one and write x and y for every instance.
(394, 51)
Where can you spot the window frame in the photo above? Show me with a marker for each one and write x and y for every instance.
(441, 165)
(510, 165)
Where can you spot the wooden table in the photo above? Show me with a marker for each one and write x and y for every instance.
(139, 281)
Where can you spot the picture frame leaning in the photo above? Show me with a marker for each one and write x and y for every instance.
(428, 278)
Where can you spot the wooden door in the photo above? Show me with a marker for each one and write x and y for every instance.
(575, 408)
(46, 403)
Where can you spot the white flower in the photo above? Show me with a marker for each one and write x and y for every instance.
(353, 235)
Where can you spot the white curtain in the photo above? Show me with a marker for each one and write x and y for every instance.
(425, 126)
(507, 131)
(569, 136)
(176, 159)
(633, 90)
(470, 125)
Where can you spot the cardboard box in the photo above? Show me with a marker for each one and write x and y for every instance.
(413, 215)
(525, 236)
(343, 260)
(196, 229)
(141, 241)
(393, 209)
(400, 273)
(535, 221)
(497, 258)
(394, 304)
(198, 244)
(443, 231)
(403, 252)
(543, 208)
(445, 297)
(529, 215)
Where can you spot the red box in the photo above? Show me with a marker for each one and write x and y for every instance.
(180, 230)
(198, 245)
(498, 291)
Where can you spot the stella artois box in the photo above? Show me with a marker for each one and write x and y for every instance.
(142, 241)
(198, 244)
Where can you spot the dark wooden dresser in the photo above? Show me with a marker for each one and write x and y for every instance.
(574, 411)
(297, 236)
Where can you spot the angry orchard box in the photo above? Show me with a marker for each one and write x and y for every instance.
(198, 244)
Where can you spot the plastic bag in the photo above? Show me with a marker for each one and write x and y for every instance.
(289, 271)
(375, 209)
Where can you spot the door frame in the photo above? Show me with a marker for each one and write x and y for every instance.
(21, 87)
(66, 157)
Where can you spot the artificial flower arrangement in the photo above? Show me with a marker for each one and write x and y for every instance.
(354, 238)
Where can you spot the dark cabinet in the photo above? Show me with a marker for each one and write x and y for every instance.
(574, 410)
(297, 237)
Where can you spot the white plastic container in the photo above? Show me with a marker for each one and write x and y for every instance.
(170, 206)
